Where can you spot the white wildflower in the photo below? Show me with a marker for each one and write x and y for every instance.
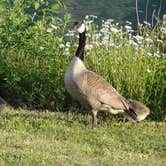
(88, 35)
(104, 30)
(114, 30)
(163, 30)
(87, 17)
(104, 42)
(149, 54)
(110, 20)
(111, 44)
(77, 36)
(106, 25)
(106, 38)
(49, 30)
(66, 53)
(67, 44)
(41, 48)
(147, 23)
(70, 33)
(134, 44)
(149, 40)
(128, 27)
(88, 46)
(96, 43)
(156, 54)
(147, 35)
(148, 70)
(139, 38)
(98, 35)
(160, 41)
(61, 45)
(53, 27)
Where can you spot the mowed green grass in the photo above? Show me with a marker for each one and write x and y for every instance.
(64, 139)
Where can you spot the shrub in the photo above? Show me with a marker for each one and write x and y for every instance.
(32, 64)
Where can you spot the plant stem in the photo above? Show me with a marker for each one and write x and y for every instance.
(147, 5)
(158, 15)
(136, 5)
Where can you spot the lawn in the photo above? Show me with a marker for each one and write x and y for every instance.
(36, 48)
(64, 139)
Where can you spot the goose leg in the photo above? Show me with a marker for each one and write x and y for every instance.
(94, 119)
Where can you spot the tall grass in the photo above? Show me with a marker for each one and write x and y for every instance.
(35, 50)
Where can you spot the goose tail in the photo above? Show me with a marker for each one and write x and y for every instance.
(137, 111)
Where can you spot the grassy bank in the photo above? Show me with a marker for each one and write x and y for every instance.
(45, 138)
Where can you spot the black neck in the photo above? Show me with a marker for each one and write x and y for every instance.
(81, 46)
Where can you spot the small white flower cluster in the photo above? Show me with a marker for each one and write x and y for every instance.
(163, 30)
(147, 24)
(155, 54)
(111, 34)
(70, 33)
(138, 38)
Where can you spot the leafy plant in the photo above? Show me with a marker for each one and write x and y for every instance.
(31, 59)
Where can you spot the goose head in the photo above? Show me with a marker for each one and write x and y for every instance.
(79, 27)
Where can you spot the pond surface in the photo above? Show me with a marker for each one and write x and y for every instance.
(119, 10)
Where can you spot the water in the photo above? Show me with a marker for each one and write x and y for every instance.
(119, 10)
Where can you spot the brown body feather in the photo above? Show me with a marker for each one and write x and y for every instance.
(98, 91)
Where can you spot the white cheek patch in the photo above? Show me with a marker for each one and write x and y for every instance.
(81, 29)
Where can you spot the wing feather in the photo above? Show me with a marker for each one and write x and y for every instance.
(94, 86)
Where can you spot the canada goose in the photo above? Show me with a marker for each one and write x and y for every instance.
(91, 90)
